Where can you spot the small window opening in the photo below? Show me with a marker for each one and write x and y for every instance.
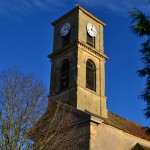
(90, 75)
(65, 74)
(90, 40)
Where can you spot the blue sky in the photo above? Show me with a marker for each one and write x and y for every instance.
(26, 38)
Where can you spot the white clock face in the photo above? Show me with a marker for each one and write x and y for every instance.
(91, 30)
(65, 29)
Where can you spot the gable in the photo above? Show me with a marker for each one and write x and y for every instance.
(58, 116)
(140, 147)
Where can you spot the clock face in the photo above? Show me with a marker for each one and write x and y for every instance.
(65, 29)
(91, 30)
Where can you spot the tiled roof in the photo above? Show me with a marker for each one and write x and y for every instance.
(115, 121)
(128, 126)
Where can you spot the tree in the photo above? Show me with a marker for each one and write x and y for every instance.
(23, 100)
(141, 27)
(26, 123)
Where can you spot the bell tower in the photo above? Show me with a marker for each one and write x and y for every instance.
(78, 62)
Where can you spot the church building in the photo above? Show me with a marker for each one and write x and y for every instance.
(78, 82)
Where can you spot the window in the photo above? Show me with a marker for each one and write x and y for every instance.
(65, 74)
(66, 39)
(90, 75)
(90, 40)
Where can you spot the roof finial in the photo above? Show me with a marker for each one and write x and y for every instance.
(77, 4)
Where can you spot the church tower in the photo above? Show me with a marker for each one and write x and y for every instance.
(78, 80)
(78, 62)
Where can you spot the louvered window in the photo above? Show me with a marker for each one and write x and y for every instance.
(90, 75)
(66, 39)
(65, 74)
(90, 40)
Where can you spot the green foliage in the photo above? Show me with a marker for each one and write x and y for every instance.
(145, 72)
(141, 27)
(141, 23)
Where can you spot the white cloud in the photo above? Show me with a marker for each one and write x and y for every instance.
(121, 7)
(8, 7)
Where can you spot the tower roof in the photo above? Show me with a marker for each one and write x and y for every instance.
(77, 8)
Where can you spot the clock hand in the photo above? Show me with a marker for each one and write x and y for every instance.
(92, 28)
(68, 28)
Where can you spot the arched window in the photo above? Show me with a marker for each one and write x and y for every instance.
(90, 75)
(65, 74)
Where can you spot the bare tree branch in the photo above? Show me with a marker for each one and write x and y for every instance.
(56, 130)
(22, 102)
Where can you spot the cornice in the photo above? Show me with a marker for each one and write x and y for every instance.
(91, 16)
(91, 49)
(74, 45)
(77, 8)
(63, 50)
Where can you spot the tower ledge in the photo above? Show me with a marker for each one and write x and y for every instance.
(75, 45)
